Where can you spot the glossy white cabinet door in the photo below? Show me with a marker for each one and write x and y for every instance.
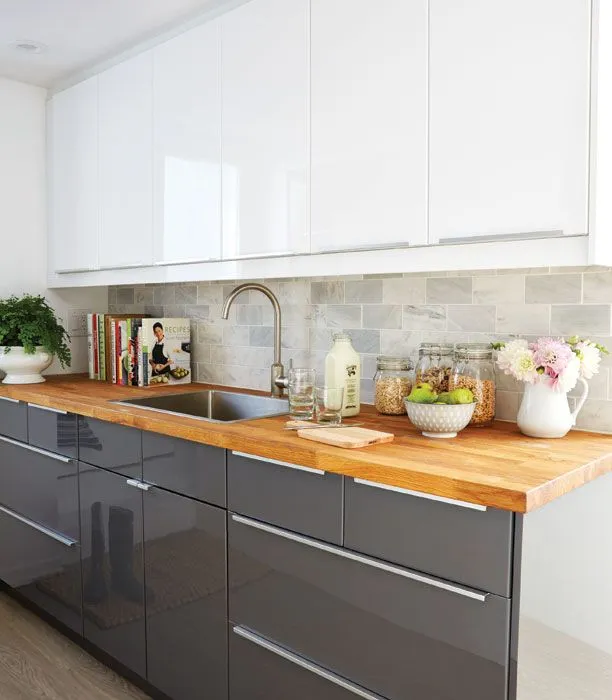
(187, 146)
(369, 123)
(265, 128)
(509, 126)
(73, 178)
(126, 163)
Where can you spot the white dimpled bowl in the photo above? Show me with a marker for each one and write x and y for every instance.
(440, 420)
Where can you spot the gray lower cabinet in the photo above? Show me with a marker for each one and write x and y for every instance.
(110, 446)
(53, 430)
(186, 599)
(13, 419)
(113, 565)
(391, 630)
(262, 670)
(39, 529)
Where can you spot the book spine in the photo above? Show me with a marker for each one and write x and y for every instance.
(90, 360)
(102, 342)
(140, 357)
(124, 346)
(113, 350)
(118, 352)
(96, 349)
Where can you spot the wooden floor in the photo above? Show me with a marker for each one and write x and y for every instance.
(37, 662)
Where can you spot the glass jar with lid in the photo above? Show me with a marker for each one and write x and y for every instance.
(392, 383)
(474, 369)
(434, 365)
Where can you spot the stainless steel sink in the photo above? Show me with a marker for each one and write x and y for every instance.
(214, 406)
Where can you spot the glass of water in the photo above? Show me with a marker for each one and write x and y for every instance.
(301, 386)
(329, 404)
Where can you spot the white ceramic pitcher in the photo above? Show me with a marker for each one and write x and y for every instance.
(545, 413)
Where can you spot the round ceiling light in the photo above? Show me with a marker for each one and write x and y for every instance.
(28, 46)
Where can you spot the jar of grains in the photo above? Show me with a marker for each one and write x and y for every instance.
(474, 369)
(434, 365)
(392, 383)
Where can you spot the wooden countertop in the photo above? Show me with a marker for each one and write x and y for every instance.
(496, 467)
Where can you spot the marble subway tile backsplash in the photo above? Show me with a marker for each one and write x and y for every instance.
(388, 314)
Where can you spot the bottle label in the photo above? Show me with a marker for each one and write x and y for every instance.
(350, 400)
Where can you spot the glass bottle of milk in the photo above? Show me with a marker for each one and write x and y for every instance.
(343, 369)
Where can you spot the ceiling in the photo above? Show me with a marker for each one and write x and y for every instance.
(81, 33)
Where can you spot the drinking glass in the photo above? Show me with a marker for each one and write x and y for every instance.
(301, 387)
(329, 404)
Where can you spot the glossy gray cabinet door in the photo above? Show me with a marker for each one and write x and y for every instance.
(460, 542)
(387, 629)
(262, 670)
(13, 419)
(290, 496)
(185, 467)
(113, 565)
(186, 600)
(53, 430)
(110, 446)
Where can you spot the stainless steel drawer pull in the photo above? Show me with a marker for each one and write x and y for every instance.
(302, 663)
(353, 556)
(38, 450)
(298, 467)
(49, 409)
(138, 484)
(9, 400)
(62, 539)
(419, 494)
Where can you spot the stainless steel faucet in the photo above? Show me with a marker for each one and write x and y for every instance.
(278, 381)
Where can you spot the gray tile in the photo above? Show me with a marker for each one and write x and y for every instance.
(236, 335)
(404, 290)
(201, 313)
(210, 294)
(125, 295)
(506, 405)
(424, 318)
(523, 271)
(246, 377)
(449, 290)
(505, 289)
(364, 292)
(365, 341)
(153, 311)
(186, 294)
(209, 373)
(328, 292)
(176, 310)
(344, 316)
(112, 296)
(598, 386)
(144, 296)
(320, 339)
(163, 295)
(597, 288)
(475, 318)
(580, 319)
(260, 336)
(382, 316)
(294, 292)
(241, 356)
(399, 343)
(522, 318)
(596, 415)
(200, 352)
(247, 315)
(553, 289)
(210, 335)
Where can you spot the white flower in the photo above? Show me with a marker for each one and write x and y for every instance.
(516, 359)
(568, 379)
(590, 358)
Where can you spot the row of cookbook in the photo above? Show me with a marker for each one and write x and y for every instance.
(138, 351)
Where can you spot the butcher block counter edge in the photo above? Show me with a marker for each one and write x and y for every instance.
(495, 467)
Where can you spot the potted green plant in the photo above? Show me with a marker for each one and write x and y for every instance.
(30, 336)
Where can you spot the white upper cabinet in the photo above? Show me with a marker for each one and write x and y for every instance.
(509, 123)
(369, 123)
(265, 78)
(74, 201)
(187, 146)
(126, 163)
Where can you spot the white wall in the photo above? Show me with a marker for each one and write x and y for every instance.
(23, 237)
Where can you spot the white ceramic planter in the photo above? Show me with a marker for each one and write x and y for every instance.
(22, 368)
(545, 413)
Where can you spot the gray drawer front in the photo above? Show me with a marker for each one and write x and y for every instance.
(293, 497)
(262, 670)
(446, 539)
(13, 419)
(386, 629)
(110, 446)
(187, 468)
(40, 486)
(53, 430)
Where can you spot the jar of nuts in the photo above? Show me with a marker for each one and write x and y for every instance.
(474, 369)
(434, 365)
(392, 383)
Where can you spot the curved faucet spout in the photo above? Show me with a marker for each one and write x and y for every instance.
(278, 379)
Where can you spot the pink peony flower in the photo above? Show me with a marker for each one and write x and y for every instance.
(552, 355)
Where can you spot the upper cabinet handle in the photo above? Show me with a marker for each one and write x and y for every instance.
(298, 467)
(374, 563)
(420, 494)
(38, 450)
(49, 409)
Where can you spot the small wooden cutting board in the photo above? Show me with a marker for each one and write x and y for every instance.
(351, 438)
